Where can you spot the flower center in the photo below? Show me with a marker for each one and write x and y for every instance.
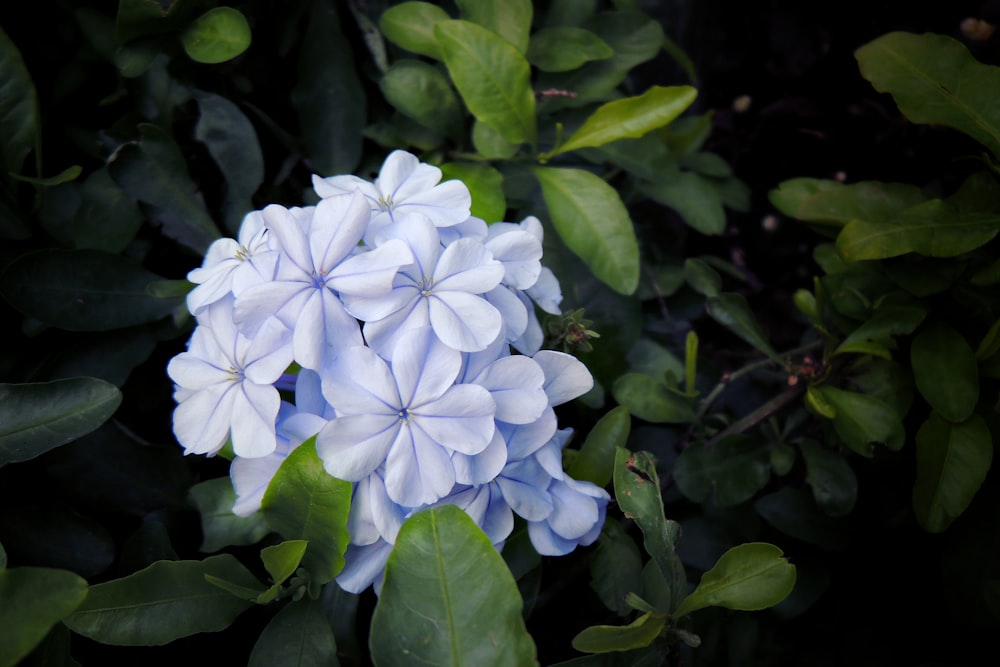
(405, 415)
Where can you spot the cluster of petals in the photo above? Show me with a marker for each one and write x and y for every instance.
(413, 331)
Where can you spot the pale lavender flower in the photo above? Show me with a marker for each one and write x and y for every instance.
(409, 416)
(404, 184)
(225, 384)
(230, 266)
(317, 267)
(442, 289)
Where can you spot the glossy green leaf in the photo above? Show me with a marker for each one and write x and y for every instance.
(650, 358)
(214, 500)
(83, 290)
(591, 219)
(137, 18)
(695, 199)
(861, 420)
(945, 371)
(422, 92)
(492, 77)
(876, 336)
(889, 381)
(724, 474)
(165, 601)
(218, 35)
(298, 636)
(107, 218)
(706, 164)
(748, 577)
(702, 277)
(18, 107)
(411, 26)
(485, 185)
(649, 399)
(232, 142)
(303, 502)
(635, 39)
(794, 512)
(328, 97)
(630, 118)
(34, 600)
(564, 48)
(448, 598)
(37, 417)
(616, 569)
(832, 479)
(153, 171)
(833, 203)
(952, 463)
(596, 460)
(934, 228)
(605, 638)
(637, 490)
(732, 311)
(67, 175)
(281, 560)
(935, 80)
(511, 19)
(490, 144)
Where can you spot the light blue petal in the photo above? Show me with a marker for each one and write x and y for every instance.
(203, 419)
(417, 471)
(515, 383)
(464, 321)
(481, 468)
(353, 447)
(363, 566)
(424, 367)
(467, 266)
(255, 411)
(461, 420)
(359, 382)
(566, 377)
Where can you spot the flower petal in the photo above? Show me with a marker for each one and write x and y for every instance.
(353, 447)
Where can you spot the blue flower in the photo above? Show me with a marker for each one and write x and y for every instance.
(409, 415)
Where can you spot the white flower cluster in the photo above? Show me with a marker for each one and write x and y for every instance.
(413, 329)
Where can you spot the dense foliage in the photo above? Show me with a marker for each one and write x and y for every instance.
(779, 452)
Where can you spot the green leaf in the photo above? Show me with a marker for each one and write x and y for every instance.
(616, 570)
(593, 223)
(422, 92)
(492, 77)
(166, 601)
(218, 35)
(281, 560)
(934, 228)
(214, 500)
(303, 502)
(605, 638)
(232, 142)
(727, 473)
(794, 512)
(490, 144)
(652, 359)
(137, 18)
(596, 460)
(876, 335)
(18, 107)
(748, 577)
(630, 118)
(107, 218)
(651, 400)
(701, 277)
(860, 419)
(732, 311)
(935, 80)
(836, 204)
(83, 290)
(834, 484)
(945, 371)
(952, 463)
(37, 417)
(694, 197)
(448, 598)
(298, 636)
(564, 48)
(67, 175)
(153, 171)
(485, 185)
(34, 600)
(511, 19)
(328, 97)
(637, 490)
(411, 26)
